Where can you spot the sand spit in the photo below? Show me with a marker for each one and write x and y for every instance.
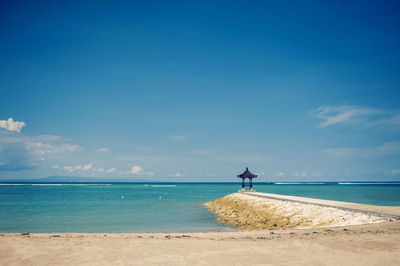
(255, 213)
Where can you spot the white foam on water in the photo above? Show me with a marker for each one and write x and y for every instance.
(299, 183)
(46, 184)
(55, 184)
(71, 184)
(15, 184)
(366, 183)
(288, 183)
(163, 185)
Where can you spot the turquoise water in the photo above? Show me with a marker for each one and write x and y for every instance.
(150, 207)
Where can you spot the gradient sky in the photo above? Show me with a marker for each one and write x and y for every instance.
(198, 90)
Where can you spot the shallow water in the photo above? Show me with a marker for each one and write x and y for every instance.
(151, 207)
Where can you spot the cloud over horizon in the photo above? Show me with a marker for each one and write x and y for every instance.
(12, 125)
(47, 148)
(80, 167)
(21, 152)
(102, 150)
(138, 170)
(178, 175)
(14, 157)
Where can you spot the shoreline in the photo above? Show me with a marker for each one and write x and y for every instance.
(373, 244)
(363, 244)
(390, 225)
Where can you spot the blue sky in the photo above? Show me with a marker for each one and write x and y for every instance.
(197, 91)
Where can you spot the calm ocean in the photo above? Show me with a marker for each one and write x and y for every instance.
(151, 207)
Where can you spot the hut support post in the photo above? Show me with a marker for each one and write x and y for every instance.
(243, 183)
(251, 183)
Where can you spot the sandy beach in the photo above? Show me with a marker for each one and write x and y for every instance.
(374, 244)
(357, 238)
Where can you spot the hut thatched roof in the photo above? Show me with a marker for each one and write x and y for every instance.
(247, 174)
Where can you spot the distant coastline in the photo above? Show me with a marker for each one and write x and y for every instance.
(88, 180)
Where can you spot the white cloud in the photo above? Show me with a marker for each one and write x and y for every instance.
(12, 125)
(136, 170)
(15, 157)
(86, 168)
(351, 114)
(178, 175)
(395, 172)
(303, 174)
(150, 173)
(342, 114)
(178, 137)
(279, 174)
(319, 174)
(26, 152)
(49, 138)
(24, 139)
(111, 170)
(47, 148)
(388, 148)
(102, 150)
(80, 167)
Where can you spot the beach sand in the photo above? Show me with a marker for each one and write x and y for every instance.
(373, 242)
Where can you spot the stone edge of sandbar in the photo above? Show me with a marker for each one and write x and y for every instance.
(347, 206)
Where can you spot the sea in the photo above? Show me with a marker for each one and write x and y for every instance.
(152, 207)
